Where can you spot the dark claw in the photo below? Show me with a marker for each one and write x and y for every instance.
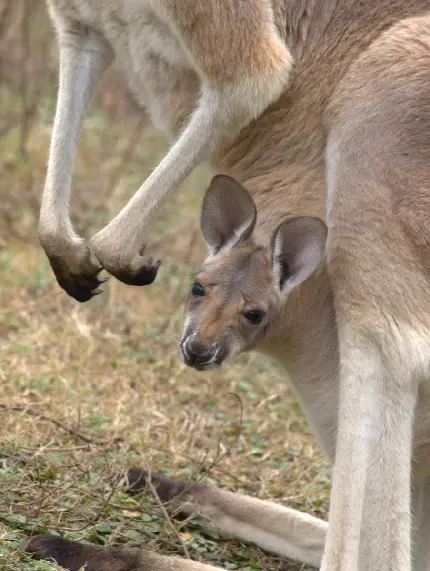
(145, 275)
(166, 488)
(84, 288)
(136, 480)
(142, 249)
(80, 287)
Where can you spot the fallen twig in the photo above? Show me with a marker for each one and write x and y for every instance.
(166, 515)
(43, 416)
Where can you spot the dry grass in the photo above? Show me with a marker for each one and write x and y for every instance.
(103, 380)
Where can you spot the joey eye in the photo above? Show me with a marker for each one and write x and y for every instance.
(198, 289)
(255, 316)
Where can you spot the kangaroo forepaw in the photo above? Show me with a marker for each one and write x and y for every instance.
(81, 283)
(140, 271)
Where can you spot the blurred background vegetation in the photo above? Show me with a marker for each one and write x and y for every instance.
(88, 390)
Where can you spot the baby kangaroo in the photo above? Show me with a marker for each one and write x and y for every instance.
(272, 293)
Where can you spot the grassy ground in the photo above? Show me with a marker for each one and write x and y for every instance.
(88, 390)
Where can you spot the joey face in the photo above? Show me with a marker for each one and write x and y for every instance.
(231, 305)
(237, 295)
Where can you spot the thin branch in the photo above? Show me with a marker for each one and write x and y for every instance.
(43, 416)
(166, 515)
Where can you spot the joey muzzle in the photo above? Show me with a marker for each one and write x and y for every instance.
(202, 356)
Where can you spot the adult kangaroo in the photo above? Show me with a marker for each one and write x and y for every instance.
(339, 131)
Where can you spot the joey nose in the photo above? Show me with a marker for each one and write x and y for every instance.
(198, 355)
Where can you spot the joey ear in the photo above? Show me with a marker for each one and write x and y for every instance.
(228, 214)
(296, 250)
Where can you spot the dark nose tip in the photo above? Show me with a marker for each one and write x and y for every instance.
(197, 355)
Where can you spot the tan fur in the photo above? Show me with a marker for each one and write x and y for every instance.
(348, 141)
